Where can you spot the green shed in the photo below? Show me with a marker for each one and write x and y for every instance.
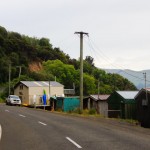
(66, 103)
(143, 107)
(122, 104)
(71, 103)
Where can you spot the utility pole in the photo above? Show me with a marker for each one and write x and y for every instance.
(145, 87)
(98, 89)
(9, 76)
(49, 88)
(81, 67)
(20, 67)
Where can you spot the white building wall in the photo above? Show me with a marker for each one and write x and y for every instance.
(31, 95)
(22, 93)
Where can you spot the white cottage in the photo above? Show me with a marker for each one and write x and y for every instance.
(31, 92)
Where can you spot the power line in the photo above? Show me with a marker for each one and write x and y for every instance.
(108, 60)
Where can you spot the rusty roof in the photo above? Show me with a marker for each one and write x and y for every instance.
(99, 97)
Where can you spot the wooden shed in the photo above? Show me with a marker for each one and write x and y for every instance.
(143, 107)
(98, 102)
(121, 104)
(31, 92)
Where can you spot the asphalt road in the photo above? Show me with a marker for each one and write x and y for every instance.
(24, 128)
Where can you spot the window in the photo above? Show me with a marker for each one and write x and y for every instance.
(21, 86)
(144, 102)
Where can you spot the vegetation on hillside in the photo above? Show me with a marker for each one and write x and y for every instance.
(21, 51)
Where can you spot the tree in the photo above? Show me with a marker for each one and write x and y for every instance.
(4, 69)
(3, 32)
(41, 76)
(14, 58)
(14, 35)
(90, 60)
(89, 86)
(87, 68)
(65, 73)
(45, 42)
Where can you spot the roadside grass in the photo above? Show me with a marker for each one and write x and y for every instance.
(84, 113)
(129, 121)
(132, 121)
(93, 114)
(77, 111)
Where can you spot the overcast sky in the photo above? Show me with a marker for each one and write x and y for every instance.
(119, 30)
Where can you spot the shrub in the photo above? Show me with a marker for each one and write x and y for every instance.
(77, 111)
(2, 100)
(92, 111)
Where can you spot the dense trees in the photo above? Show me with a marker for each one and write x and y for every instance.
(64, 73)
(20, 50)
(67, 74)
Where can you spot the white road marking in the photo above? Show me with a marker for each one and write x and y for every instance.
(7, 110)
(0, 132)
(22, 115)
(42, 123)
(73, 142)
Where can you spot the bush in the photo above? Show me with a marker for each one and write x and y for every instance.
(2, 100)
(76, 110)
(83, 112)
(92, 111)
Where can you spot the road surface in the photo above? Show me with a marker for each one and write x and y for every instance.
(23, 128)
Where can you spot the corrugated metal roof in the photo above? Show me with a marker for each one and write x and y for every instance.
(128, 94)
(41, 83)
(99, 97)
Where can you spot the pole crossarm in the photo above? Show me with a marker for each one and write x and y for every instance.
(81, 33)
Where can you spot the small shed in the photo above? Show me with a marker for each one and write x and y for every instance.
(122, 104)
(31, 92)
(143, 107)
(98, 102)
(65, 104)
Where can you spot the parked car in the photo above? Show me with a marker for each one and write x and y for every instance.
(13, 100)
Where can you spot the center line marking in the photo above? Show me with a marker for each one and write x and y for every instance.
(22, 115)
(0, 132)
(42, 123)
(77, 145)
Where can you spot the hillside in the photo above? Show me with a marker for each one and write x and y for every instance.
(35, 66)
(136, 77)
(20, 50)
(31, 58)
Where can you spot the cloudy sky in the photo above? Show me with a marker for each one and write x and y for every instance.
(119, 30)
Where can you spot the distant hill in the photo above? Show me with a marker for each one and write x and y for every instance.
(136, 77)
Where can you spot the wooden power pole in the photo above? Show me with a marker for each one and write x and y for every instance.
(9, 78)
(145, 88)
(81, 67)
(20, 67)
